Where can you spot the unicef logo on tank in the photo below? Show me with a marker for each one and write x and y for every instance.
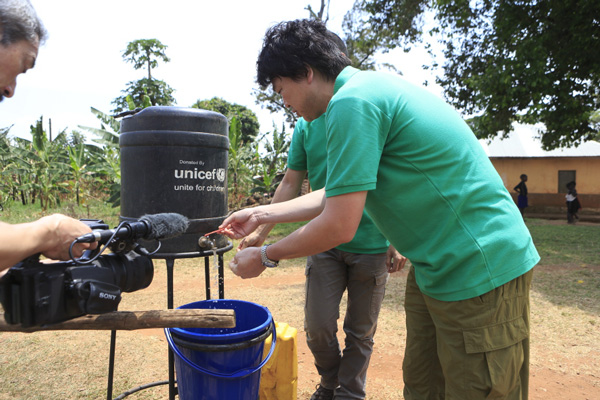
(221, 174)
(216, 173)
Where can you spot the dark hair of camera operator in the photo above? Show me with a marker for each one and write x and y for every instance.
(21, 33)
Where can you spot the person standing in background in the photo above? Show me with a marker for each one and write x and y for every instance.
(573, 204)
(521, 189)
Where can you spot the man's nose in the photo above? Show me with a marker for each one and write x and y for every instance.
(9, 91)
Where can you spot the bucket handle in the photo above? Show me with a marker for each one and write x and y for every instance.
(209, 347)
(242, 373)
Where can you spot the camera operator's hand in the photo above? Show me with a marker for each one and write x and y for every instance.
(51, 235)
(63, 230)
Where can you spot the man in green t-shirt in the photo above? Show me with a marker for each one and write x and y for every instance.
(412, 162)
(361, 266)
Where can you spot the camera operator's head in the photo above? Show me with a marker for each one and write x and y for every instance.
(21, 33)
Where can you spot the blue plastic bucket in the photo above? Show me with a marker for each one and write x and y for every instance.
(215, 363)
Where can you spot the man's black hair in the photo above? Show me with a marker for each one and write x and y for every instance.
(289, 47)
(338, 42)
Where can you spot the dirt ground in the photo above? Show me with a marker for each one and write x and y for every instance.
(565, 340)
(548, 380)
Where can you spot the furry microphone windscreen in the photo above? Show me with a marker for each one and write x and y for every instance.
(165, 225)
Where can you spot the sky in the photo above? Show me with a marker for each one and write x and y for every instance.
(213, 46)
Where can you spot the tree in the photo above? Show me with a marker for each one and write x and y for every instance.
(246, 117)
(509, 61)
(144, 92)
(145, 53)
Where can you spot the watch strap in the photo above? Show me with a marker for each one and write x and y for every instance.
(266, 261)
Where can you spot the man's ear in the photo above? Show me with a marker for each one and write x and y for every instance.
(310, 74)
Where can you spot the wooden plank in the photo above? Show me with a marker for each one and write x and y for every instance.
(132, 320)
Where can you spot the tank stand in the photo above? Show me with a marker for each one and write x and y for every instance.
(113, 335)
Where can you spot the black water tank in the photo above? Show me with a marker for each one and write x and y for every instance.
(174, 159)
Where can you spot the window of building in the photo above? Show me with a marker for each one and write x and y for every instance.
(565, 177)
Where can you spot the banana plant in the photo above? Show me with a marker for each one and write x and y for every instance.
(107, 161)
(240, 155)
(77, 162)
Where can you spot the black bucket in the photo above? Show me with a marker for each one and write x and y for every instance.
(174, 159)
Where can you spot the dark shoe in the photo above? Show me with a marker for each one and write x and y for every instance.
(322, 393)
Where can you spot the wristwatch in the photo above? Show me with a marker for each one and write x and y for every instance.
(265, 260)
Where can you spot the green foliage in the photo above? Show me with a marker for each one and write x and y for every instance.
(50, 171)
(146, 91)
(240, 159)
(266, 183)
(272, 162)
(254, 167)
(275, 151)
(246, 117)
(145, 52)
(81, 161)
(107, 165)
(528, 61)
(45, 165)
(16, 213)
(282, 230)
(364, 41)
(67, 170)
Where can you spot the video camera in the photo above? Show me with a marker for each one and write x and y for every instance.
(33, 293)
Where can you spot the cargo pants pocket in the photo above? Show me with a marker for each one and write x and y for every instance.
(502, 347)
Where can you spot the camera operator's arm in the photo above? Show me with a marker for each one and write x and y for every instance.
(51, 236)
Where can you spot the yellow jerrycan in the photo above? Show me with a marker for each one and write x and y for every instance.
(279, 376)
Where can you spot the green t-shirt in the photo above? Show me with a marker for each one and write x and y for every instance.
(432, 191)
(308, 153)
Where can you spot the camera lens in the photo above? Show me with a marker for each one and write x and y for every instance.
(131, 271)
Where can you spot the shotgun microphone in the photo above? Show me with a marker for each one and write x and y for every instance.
(148, 227)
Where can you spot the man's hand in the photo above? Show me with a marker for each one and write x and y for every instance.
(240, 224)
(247, 263)
(62, 231)
(51, 235)
(254, 239)
(394, 261)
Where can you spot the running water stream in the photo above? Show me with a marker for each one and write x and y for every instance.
(207, 243)
(215, 283)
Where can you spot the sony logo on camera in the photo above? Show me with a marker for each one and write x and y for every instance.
(107, 296)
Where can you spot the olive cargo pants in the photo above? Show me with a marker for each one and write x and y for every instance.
(470, 349)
